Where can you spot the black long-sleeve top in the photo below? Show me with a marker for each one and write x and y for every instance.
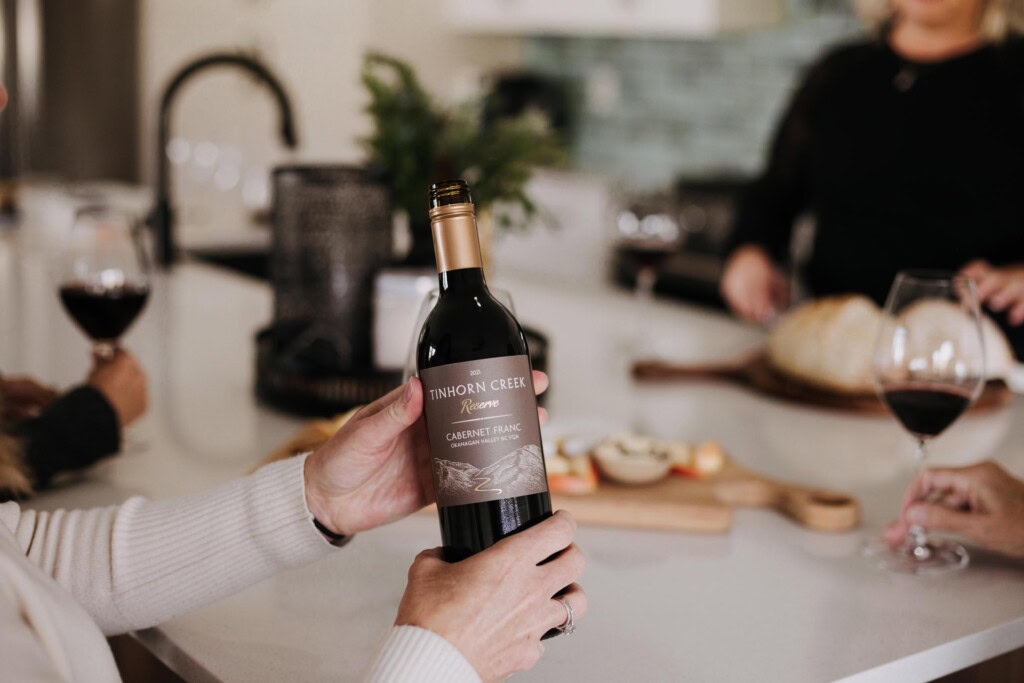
(76, 430)
(902, 164)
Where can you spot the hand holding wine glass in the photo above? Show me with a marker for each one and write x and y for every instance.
(982, 503)
(122, 382)
(929, 366)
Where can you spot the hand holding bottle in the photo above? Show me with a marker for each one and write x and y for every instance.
(496, 605)
(376, 469)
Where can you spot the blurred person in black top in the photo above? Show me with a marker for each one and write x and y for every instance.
(908, 151)
(43, 433)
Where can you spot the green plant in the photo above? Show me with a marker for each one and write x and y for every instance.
(415, 142)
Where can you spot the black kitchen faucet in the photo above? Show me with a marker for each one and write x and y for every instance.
(161, 218)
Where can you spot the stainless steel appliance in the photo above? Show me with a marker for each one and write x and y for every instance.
(71, 68)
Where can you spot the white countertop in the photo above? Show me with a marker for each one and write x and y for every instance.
(767, 601)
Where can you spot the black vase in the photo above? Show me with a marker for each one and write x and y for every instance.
(332, 233)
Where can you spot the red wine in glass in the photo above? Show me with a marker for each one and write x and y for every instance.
(649, 254)
(926, 411)
(105, 280)
(646, 243)
(103, 313)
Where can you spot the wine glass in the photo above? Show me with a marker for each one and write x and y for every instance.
(426, 306)
(104, 282)
(648, 242)
(647, 234)
(929, 366)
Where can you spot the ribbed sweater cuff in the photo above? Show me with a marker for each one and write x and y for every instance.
(175, 555)
(414, 654)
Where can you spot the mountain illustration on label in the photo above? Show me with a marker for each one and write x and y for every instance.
(518, 473)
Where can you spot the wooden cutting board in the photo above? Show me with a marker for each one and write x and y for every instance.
(756, 372)
(705, 505)
(674, 504)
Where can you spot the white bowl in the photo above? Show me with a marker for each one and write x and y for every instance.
(633, 470)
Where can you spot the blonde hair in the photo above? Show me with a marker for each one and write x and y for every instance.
(997, 19)
(14, 477)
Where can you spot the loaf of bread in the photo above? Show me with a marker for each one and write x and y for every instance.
(942, 316)
(829, 342)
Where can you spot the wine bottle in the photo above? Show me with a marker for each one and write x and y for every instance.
(480, 408)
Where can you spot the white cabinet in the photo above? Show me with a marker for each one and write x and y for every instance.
(665, 18)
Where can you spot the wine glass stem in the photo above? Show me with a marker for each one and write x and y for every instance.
(918, 535)
(105, 350)
(645, 280)
(646, 277)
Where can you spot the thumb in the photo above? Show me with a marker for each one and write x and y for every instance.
(397, 415)
(940, 518)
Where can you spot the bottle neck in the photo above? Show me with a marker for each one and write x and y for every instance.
(463, 280)
(456, 243)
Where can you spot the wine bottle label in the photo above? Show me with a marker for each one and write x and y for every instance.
(483, 430)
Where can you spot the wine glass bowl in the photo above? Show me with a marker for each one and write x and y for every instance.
(647, 234)
(929, 366)
(426, 306)
(648, 241)
(104, 283)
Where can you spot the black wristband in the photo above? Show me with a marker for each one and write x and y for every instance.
(335, 539)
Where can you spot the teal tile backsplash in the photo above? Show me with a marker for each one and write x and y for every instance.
(649, 110)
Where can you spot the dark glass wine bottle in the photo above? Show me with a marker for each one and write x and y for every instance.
(481, 411)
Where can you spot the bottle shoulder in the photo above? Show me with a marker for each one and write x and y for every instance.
(468, 327)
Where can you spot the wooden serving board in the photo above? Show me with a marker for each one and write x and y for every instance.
(705, 505)
(756, 372)
(674, 504)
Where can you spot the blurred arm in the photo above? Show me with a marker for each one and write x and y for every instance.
(75, 431)
(771, 204)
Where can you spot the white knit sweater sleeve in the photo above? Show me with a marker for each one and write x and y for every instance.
(143, 562)
(415, 655)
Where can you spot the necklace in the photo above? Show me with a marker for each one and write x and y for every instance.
(905, 78)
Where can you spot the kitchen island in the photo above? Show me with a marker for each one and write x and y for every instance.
(767, 601)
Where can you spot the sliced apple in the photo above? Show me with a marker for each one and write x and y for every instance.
(709, 458)
(578, 478)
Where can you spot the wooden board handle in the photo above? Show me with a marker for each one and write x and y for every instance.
(818, 509)
(814, 508)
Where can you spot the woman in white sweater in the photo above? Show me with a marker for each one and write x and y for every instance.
(68, 578)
